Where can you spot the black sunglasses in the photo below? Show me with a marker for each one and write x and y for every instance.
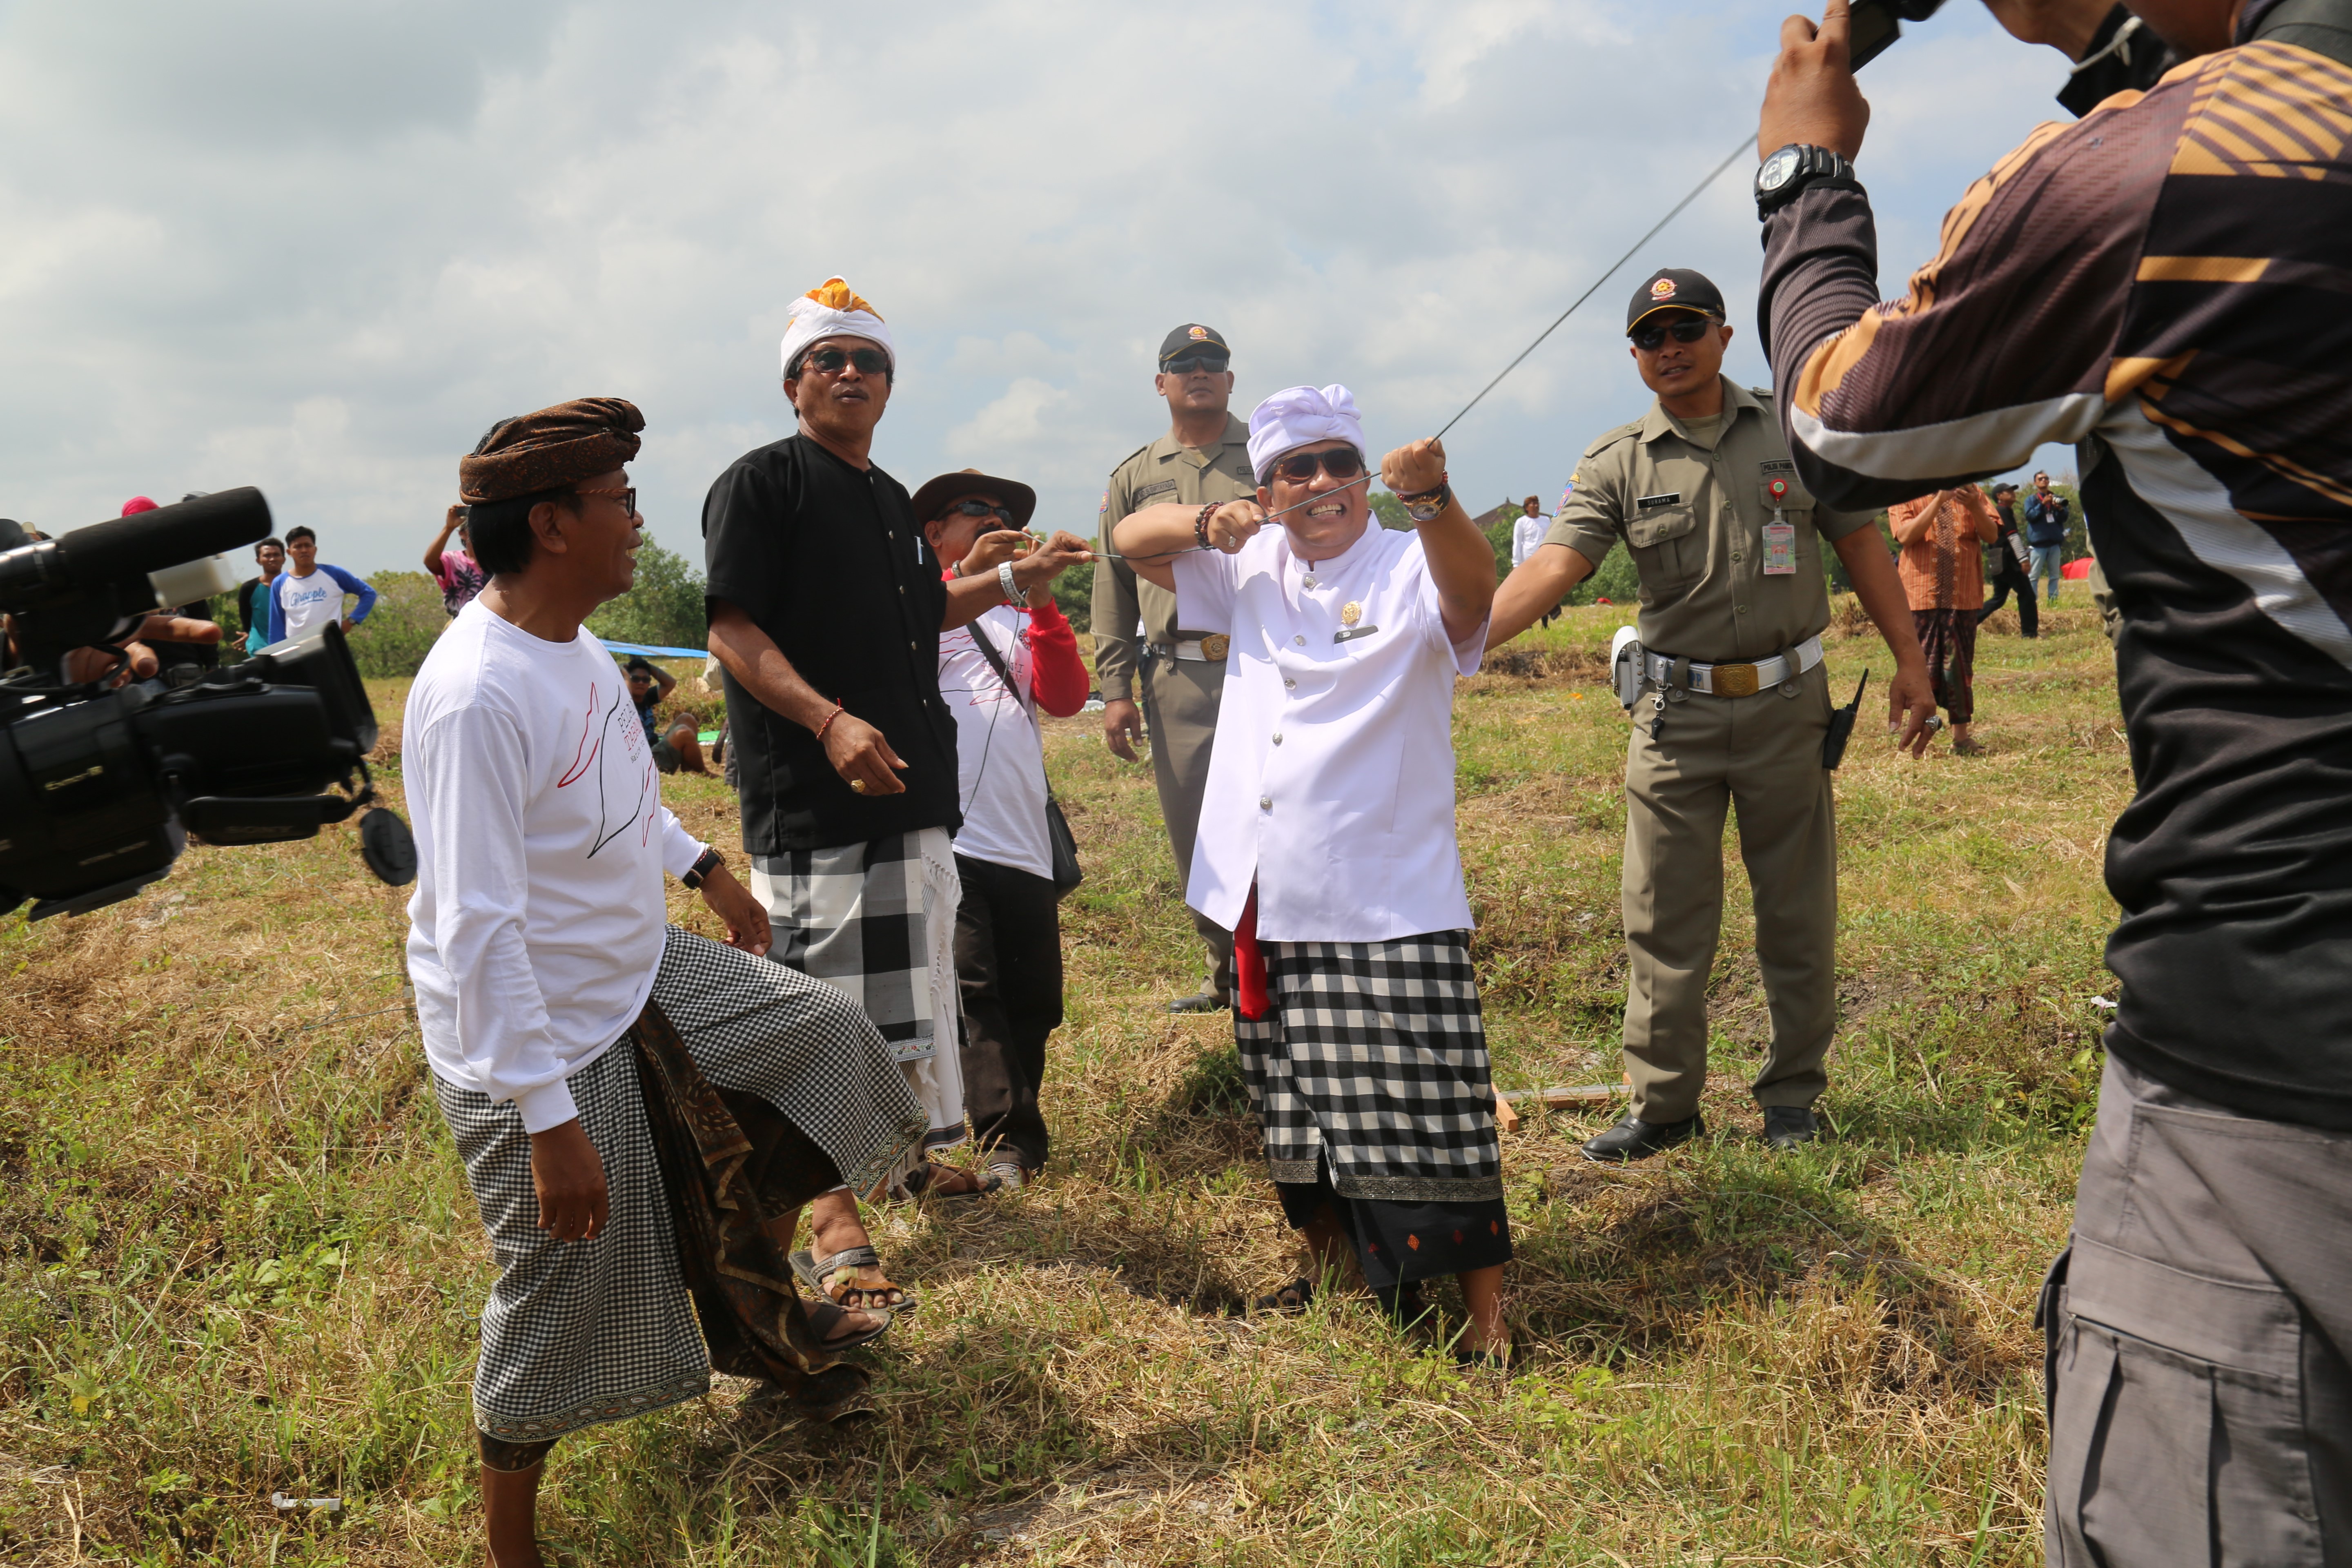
(979, 508)
(1192, 362)
(1299, 468)
(1687, 330)
(869, 362)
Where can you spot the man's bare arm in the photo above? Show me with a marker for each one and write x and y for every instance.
(970, 597)
(1152, 538)
(1541, 582)
(1910, 698)
(856, 750)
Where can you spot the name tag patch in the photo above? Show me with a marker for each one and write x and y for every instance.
(1351, 633)
(1147, 492)
(1776, 465)
(1651, 503)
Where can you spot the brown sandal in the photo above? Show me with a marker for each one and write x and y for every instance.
(826, 1277)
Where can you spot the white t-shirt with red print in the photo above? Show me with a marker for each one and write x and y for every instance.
(542, 846)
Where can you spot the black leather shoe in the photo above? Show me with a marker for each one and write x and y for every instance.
(1786, 1126)
(1203, 1002)
(1633, 1139)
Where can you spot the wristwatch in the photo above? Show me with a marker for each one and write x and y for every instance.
(706, 862)
(1798, 167)
(1426, 506)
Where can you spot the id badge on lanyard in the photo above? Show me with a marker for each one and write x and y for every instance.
(1780, 537)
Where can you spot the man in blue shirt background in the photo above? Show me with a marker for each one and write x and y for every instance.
(2045, 531)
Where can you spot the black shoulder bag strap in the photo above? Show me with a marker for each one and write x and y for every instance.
(1066, 872)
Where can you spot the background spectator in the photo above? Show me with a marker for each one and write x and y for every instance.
(1527, 538)
(2045, 530)
(203, 652)
(1942, 568)
(460, 575)
(681, 747)
(253, 594)
(309, 593)
(1008, 937)
(2005, 559)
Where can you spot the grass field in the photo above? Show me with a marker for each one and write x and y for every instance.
(238, 1257)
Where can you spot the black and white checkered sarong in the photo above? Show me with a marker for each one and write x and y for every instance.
(1374, 1058)
(583, 1331)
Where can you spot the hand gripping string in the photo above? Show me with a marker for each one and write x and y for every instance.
(1363, 478)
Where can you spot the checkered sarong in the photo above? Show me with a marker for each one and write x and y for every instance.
(1373, 1058)
(877, 920)
(578, 1332)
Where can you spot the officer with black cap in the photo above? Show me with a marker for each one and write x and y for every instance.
(1730, 707)
(1138, 646)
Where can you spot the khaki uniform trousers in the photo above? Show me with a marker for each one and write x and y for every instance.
(1179, 705)
(1762, 754)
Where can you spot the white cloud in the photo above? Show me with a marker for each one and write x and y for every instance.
(321, 248)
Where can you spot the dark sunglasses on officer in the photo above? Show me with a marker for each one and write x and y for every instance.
(1650, 334)
(1213, 364)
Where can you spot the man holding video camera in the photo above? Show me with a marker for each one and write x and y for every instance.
(2182, 252)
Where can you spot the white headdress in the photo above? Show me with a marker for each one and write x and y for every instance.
(832, 311)
(1299, 416)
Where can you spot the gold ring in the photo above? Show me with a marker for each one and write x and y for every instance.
(858, 785)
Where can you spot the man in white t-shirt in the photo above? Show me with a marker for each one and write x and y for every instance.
(641, 1112)
(1528, 536)
(1327, 846)
(308, 596)
(1008, 933)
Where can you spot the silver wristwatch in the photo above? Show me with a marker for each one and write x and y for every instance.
(1796, 168)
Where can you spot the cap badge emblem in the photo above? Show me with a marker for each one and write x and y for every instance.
(1664, 288)
(1351, 613)
(1199, 334)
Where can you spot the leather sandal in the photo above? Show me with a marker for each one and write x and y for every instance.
(824, 1316)
(921, 1183)
(833, 1279)
(1289, 1300)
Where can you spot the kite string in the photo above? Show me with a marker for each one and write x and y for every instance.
(1362, 478)
(1713, 174)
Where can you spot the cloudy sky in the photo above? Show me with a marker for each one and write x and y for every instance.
(318, 248)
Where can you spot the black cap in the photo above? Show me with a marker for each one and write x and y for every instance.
(1675, 288)
(1192, 338)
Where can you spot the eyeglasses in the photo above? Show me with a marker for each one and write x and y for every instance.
(628, 498)
(1299, 468)
(869, 362)
(979, 508)
(1650, 338)
(1192, 362)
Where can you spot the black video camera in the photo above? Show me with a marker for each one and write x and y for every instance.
(101, 789)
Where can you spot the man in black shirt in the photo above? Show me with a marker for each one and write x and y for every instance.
(826, 613)
(2007, 555)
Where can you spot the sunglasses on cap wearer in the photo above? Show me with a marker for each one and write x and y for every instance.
(627, 498)
(1190, 363)
(1299, 468)
(869, 362)
(979, 508)
(1651, 336)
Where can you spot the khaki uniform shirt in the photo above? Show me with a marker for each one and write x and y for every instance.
(1167, 471)
(1693, 517)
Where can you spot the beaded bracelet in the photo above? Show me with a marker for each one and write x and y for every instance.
(1200, 523)
(829, 718)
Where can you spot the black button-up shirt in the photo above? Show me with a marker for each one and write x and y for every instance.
(826, 559)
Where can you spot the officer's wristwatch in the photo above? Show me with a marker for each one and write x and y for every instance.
(1798, 167)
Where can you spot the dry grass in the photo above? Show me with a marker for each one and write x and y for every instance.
(237, 1256)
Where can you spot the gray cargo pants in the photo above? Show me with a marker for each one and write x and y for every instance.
(2200, 1398)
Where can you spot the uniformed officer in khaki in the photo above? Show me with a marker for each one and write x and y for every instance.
(1733, 708)
(1204, 457)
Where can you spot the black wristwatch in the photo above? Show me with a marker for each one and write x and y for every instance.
(709, 860)
(1798, 167)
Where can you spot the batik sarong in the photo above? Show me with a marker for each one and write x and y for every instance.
(583, 1331)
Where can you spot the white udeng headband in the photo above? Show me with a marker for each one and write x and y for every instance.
(1299, 416)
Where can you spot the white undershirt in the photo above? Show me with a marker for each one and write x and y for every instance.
(999, 753)
(541, 843)
(1332, 784)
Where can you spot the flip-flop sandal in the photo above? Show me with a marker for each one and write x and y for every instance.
(919, 1184)
(1506, 1360)
(824, 1315)
(1289, 1300)
(816, 1271)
